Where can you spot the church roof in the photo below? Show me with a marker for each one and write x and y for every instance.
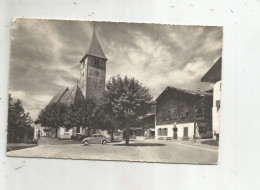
(95, 48)
(68, 96)
(72, 95)
(58, 96)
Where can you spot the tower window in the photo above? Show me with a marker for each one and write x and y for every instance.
(96, 62)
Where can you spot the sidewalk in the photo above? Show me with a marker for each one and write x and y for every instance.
(197, 143)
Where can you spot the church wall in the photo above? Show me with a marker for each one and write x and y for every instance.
(93, 77)
(63, 134)
(96, 76)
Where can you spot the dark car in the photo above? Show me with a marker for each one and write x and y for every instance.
(96, 138)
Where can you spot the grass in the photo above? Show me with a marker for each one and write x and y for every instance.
(210, 142)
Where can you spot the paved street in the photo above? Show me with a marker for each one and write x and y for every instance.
(144, 151)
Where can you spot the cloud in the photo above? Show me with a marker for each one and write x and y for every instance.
(45, 55)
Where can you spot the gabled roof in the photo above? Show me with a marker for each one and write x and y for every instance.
(71, 95)
(95, 48)
(58, 96)
(191, 92)
(214, 73)
(68, 96)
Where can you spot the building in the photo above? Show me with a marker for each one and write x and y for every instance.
(93, 71)
(144, 128)
(213, 75)
(41, 131)
(175, 110)
(91, 84)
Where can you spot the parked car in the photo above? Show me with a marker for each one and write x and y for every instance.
(96, 138)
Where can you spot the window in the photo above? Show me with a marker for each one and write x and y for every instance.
(96, 61)
(67, 129)
(165, 133)
(159, 132)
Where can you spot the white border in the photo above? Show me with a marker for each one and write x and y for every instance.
(239, 144)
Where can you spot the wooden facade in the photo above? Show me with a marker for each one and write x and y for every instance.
(175, 106)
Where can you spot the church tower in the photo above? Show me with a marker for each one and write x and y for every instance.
(93, 70)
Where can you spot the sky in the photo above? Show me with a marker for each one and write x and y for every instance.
(45, 56)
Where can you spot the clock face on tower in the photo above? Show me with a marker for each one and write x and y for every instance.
(96, 75)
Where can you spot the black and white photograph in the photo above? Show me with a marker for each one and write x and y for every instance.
(136, 92)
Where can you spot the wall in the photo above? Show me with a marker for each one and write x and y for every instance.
(178, 107)
(63, 134)
(180, 132)
(170, 109)
(36, 130)
(95, 82)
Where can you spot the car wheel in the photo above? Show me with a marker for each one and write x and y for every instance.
(86, 143)
(104, 142)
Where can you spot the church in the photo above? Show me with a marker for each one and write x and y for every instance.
(91, 83)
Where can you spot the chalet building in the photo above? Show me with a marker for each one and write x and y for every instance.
(91, 84)
(175, 110)
(213, 75)
(144, 128)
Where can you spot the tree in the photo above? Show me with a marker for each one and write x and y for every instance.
(73, 115)
(82, 114)
(125, 100)
(53, 116)
(19, 122)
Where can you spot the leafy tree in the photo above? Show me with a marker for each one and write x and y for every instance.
(125, 100)
(19, 122)
(74, 115)
(81, 115)
(53, 116)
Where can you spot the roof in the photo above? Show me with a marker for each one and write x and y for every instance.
(191, 92)
(68, 96)
(214, 73)
(58, 96)
(95, 48)
(71, 95)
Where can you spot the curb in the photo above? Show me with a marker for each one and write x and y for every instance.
(200, 145)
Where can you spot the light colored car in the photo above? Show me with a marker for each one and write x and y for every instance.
(96, 138)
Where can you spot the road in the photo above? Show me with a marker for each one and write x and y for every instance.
(140, 151)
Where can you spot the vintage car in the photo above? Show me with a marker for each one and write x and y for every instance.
(96, 138)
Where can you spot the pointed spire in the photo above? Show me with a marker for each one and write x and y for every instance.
(95, 48)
